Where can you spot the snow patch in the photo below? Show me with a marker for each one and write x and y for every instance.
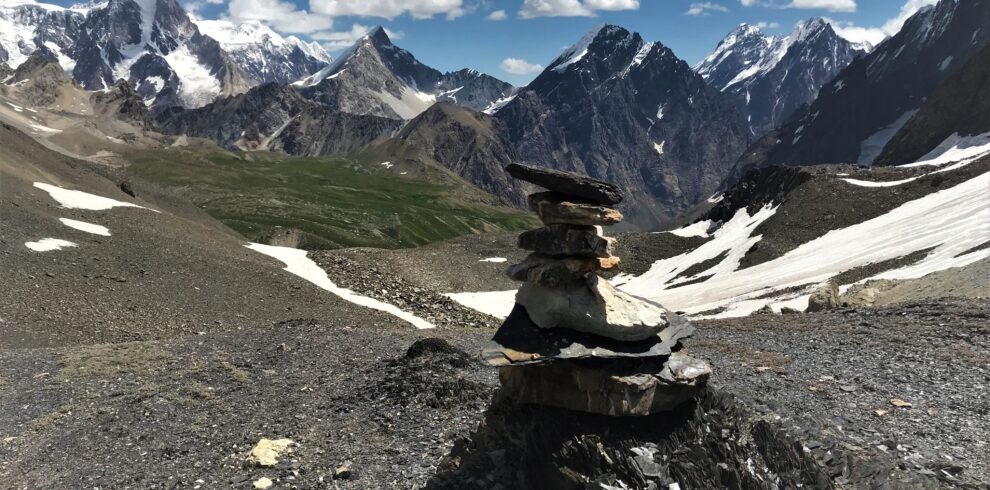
(871, 147)
(952, 220)
(659, 147)
(955, 148)
(296, 262)
(495, 260)
(495, 303)
(84, 226)
(197, 87)
(945, 63)
(49, 244)
(869, 183)
(699, 229)
(71, 199)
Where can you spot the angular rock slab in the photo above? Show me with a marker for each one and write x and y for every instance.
(520, 342)
(554, 208)
(594, 307)
(557, 272)
(568, 183)
(568, 241)
(595, 388)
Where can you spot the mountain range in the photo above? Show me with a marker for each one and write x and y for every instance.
(868, 102)
(769, 77)
(378, 78)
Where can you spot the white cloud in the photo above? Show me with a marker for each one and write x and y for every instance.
(768, 25)
(572, 8)
(874, 35)
(281, 16)
(498, 15)
(336, 40)
(830, 5)
(517, 66)
(390, 9)
(703, 8)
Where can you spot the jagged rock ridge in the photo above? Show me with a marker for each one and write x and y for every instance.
(857, 113)
(769, 77)
(378, 78)
(275, 117)
(617, 108)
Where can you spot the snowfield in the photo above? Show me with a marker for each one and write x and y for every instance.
(297, 263)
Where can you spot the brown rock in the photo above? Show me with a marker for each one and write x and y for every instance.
(568, 240)
(552, 272)
(568, 183)
(824, 298)
(594, 307)
(553, 208)
(643, 390)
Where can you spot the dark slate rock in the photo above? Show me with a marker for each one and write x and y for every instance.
(520, 341)
(568, 183)
(567, 240)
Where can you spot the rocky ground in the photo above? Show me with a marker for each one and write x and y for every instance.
(182, 413)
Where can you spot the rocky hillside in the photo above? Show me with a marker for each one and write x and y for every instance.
(621, 109)
(471, 144)
(277, 118)
(960, 106)
(857, 113)
(378, 78)
(769, 77)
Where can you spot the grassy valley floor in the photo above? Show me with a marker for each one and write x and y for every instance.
(325, 202)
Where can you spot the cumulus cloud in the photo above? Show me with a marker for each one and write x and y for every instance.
(281, 16)
(390, 9)
(572, 8)
(767, 25)
(517, 66)
(703, 8)
(336, 40)
(498, 15)
(874, 35)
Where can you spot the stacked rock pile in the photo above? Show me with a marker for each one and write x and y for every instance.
(573, 340)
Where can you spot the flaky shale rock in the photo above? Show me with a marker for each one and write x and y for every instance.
(593, 306)
(568, 183)
(556, 272)
(639, 390)
(554, 208)
(568, 241)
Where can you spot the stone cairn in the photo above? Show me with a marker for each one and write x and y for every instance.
(573, 340)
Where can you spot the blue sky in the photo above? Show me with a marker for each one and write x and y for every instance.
(510, 39)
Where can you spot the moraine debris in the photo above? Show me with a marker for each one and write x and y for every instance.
(573, 340)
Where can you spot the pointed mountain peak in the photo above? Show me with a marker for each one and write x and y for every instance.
(602, 39)
(811, 28)
(378, 36)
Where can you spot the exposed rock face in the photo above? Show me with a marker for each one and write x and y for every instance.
(42, 77)
(769, 78)
(470, 144)
(857, 113)
(472, 89)
(961, 105)
(824, 298)
(5, 72)
(378, 78)
(275, 117)
(264, 55)
(616, 108)
(152, 44)
(122, 102)
(592, 307)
